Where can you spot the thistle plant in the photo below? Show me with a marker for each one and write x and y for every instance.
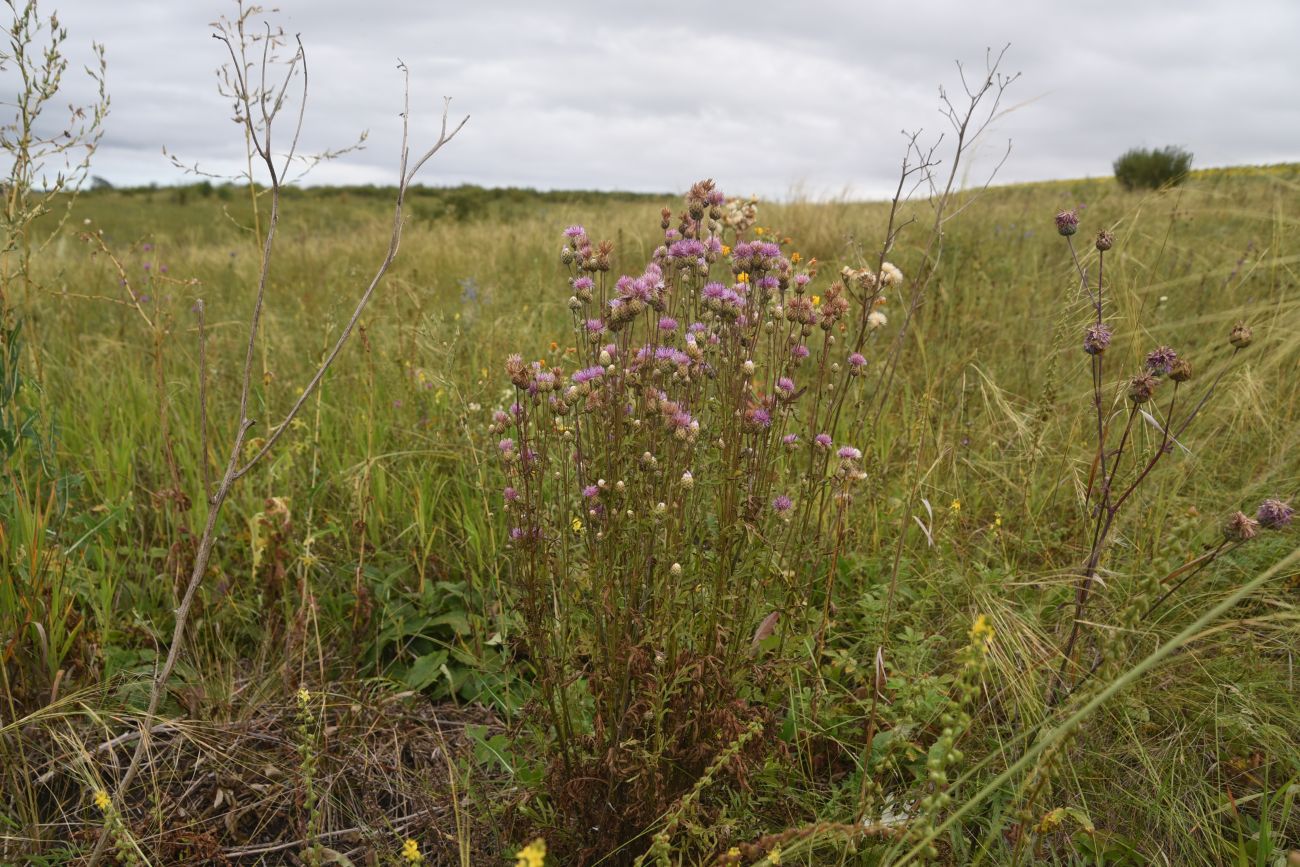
(675, 493)
(1118, 471)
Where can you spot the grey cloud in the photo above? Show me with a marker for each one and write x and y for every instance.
(604, 95)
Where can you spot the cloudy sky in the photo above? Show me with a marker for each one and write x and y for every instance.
(765, 97)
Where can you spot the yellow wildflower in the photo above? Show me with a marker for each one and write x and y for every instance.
(759, 230)
(981, 631)
(102, 800)
(997, 519)
(554, 346)
(954, 506)
(577, 525)
(795, 258)
(411, 852)
(774, 857)
(816, 300)
(742, 277)
(726, 250)
(304, 695)
(532, 855)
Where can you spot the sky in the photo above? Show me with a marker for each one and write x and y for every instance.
(777, 99)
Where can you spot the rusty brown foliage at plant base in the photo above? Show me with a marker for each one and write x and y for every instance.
(606, 803)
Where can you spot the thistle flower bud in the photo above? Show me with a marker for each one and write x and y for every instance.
(1240, 527)
(688, 481)
(1142, 387)
(1105, 240)
(574, 303)
(676, 569)
(1241, 335)
(1067, 222)
(605, 360)
(748, 366)
(1181, 370)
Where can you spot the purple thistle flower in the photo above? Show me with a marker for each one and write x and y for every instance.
(1096, 338)
(1274, 514)
(511, 495)
(781, 504)
(667, 323)
(506, 445)
(857, 360)
(1161, 360)
(802, 280)
(575, 231)
(849, 453)
(1067, 222)
(584, 283)
(790, 439)
(823, 440)
(799, 350)
(590, 491)
(785, 384)
(595, 326)
(587, 374)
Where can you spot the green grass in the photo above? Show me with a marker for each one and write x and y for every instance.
(366, 557)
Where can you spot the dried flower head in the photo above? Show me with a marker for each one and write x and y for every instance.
(1097, 338)
(1067, 222)
(1241, 335)
(1240, 527)
(1180, 370)
(1105, 240)
(1274, 514)
(1142, 387)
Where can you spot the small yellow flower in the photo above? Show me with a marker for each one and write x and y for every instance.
(997, 519)
(954, 506)
(577, 525)
(774, 857)
(981, 631)
(554, 346)
(759, 230)
(411, 852)
(795, 258)
(816, 300)
(102, 800)
(742, 277)
(726, 250)
(532, 855)
(304, 695)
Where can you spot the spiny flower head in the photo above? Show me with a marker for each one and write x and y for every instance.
(849, 453)
(1240, 527)
(1097, 338)
(1142, 387)
(1067, 222)
(1241, 335)
(1274, 514)
(781, 504)
(1161, 360)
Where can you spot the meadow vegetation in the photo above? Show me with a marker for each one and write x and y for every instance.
(651, 529)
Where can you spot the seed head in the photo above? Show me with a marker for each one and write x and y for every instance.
(1142, 387)
(1105, 240)
(1241, 335)
(1274, 514)
(1240, 527)
(1067, 222)
(1180, 370)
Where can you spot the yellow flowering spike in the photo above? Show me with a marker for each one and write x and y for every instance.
(411, 852)
(954, 506)
(532, 855)
(304, 695)
(981, 631)
(102, 800)
(997, 519)
(774, 857)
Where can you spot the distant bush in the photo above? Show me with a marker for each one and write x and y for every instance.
(1140, 168)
